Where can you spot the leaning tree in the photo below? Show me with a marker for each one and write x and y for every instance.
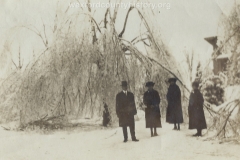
(83, 66)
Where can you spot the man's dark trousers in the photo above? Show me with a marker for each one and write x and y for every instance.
(132, 131)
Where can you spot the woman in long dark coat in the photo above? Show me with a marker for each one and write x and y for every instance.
(174, 109)
(152, 111)
(195, 110)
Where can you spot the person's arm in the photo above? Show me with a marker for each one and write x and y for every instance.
(145, 102)
(158, 100)
(117, 106)
(190, 103)
(201, 100)
(134, 106)
(167, 96)
(178, 93)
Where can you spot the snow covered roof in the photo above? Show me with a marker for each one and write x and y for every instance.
(224, 56)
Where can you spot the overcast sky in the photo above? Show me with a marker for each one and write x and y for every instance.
(184, 25)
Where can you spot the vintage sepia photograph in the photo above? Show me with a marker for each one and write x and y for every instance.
(119, 79)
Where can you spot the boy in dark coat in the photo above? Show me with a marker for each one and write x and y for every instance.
(152, 112)
(106, 115)
(126, 109)
(195, 110)
(174, 109)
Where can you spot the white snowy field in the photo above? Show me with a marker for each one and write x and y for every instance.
(104, 144)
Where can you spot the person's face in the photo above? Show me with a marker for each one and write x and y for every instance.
(172, 82)
(124, 88)
(194, 87)
(150, 88)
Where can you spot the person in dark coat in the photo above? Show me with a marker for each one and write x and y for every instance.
(152, 111)
(174, 109)
(126, 109)
(195, 110)
(106, 115)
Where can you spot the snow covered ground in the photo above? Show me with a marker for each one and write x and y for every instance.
(102, 144)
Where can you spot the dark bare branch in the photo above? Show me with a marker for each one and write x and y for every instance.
(105, 18)
(14, 64)
(88, 5)
(125, 23)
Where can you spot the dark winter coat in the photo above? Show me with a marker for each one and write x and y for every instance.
(125, 109)
(106, 115)
(152, 113)
(195, 110)
(174, 109)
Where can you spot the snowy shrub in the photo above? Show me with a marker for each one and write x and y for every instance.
(213, 90)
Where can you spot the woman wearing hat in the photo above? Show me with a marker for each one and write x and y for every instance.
(152, 112)
(174, 109)
(195, 109)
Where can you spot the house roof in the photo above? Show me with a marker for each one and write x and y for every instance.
(211, 40)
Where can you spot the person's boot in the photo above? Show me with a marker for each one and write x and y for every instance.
(151, 132)
(135, 140)
(155, 134)
(178, 127)
(195, 135)
(200, 133)
(125, 140)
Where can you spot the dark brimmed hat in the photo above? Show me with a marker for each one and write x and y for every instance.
(172, 79)
(196, 84)
(149, 84)
(124, 83)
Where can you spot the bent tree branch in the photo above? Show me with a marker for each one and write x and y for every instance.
(125, 23)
